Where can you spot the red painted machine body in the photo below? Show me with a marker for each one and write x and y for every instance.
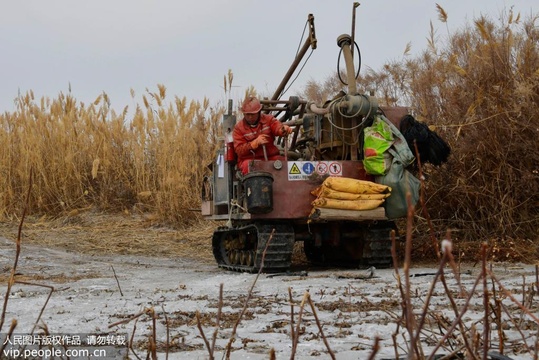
(295, 180)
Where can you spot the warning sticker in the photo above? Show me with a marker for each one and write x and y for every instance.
(335, 168)
(303, 170)
(294, 170)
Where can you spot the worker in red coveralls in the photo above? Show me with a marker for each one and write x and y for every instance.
(255, 134)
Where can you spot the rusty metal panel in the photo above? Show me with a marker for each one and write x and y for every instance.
(395, 113)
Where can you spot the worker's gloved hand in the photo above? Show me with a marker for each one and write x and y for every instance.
(286, 130)
(260, 140)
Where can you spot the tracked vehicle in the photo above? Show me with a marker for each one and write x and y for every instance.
(267, 211)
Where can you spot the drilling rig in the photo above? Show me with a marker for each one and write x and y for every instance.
(266, 211)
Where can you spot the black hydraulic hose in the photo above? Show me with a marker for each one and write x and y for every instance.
(339, 62)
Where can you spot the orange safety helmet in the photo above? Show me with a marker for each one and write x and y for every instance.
(251, 105)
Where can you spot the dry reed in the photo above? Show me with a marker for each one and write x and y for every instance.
(90, 156)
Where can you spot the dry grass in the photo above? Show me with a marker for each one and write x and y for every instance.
(89, 156)
(121, 234)
(482, 93)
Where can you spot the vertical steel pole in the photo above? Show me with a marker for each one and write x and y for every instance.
(356, 4)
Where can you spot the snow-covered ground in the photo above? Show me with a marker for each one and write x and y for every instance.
(104, 294)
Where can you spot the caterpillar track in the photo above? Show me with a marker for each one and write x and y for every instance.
(378, 243)
(358, 246)
(242, 248)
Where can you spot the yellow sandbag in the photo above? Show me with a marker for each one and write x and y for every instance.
(324, 191)
(355, 186)
(316, 192)
(347, 204)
